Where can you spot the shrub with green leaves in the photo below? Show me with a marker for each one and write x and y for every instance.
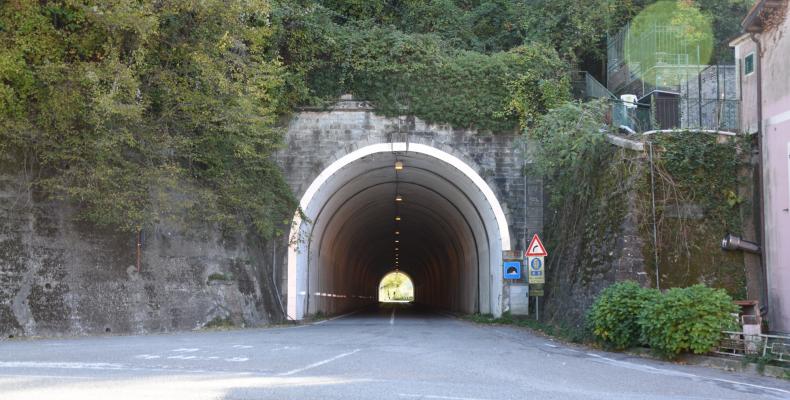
(614, 317)
(686, 319)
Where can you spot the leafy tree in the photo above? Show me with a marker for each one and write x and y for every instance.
(142, 112)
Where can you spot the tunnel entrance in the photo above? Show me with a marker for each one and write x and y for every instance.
(396, 287)
(404, 206)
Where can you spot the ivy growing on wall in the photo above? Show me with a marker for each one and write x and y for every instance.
(593, 187)
(698, 201)
(141, 112)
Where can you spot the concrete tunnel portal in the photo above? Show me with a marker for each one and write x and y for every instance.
(435, 219)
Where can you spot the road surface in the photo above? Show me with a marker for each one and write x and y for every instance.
(393, 352)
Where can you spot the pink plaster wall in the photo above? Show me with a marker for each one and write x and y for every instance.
(776, 173)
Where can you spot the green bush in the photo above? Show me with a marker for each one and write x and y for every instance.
(614, 317)
(686, 319)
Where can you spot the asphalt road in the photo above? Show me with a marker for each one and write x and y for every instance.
(389, 353)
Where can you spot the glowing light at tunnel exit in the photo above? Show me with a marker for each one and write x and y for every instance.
(396, 287)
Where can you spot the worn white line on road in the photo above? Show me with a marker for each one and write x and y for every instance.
(334, 318)
(318, 364)
(185, 350)
(392, 317)
(430, 396)
(649, 369)
(28, 376)
(59, 365)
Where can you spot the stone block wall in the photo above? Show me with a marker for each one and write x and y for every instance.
(316, 138)
(60, 276)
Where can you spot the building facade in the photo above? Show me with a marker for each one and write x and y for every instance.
(762, 55)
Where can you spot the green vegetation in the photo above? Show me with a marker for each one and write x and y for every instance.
(698, 200)
(141, 112)
(216, 276)
(596, 191)
(559, 331)
(686, 319)
(220, 323)
(614, 317)
(396, 286)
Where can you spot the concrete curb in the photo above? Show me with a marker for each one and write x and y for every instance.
(722, 363)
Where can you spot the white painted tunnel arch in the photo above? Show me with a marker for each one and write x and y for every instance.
(298, 250)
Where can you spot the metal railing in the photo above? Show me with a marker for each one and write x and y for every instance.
(585, 86)
(769, 347)
(677, 113)
(695, 113)
(633, 116)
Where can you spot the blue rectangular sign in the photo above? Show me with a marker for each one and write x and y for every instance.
(512, 269)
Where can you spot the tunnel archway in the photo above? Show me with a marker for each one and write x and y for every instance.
(451, 232)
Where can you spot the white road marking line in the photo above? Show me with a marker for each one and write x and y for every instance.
(185, 350)
(334, 318)
(182, 357)
(647, 368)
(318, 364)
(147, 356)
(392, 317)
(429, 396)
(237, 359)
(58, 365)
(2, 375)
(551, 345)
(241, 346)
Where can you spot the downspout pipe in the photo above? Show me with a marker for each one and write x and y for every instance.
(761, 191)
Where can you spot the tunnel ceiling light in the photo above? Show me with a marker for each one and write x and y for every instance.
(397, 232)
(397, 241)
(396, 249)
(398, 165)
(398, 198)
(397, 218)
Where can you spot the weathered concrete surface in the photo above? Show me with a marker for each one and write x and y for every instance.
(318, 138)
(59, 276)
(384, 354)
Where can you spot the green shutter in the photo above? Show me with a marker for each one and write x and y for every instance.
(748, 64)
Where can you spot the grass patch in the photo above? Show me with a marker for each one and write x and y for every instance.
(560, 332)
(220, 323)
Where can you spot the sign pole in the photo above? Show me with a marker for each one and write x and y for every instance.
(536, 269)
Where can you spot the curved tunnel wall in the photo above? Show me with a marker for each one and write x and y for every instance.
(452, 233)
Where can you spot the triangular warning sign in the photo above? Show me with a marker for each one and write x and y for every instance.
(535, 248)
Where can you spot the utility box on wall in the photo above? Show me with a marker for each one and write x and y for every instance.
(519, 299)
